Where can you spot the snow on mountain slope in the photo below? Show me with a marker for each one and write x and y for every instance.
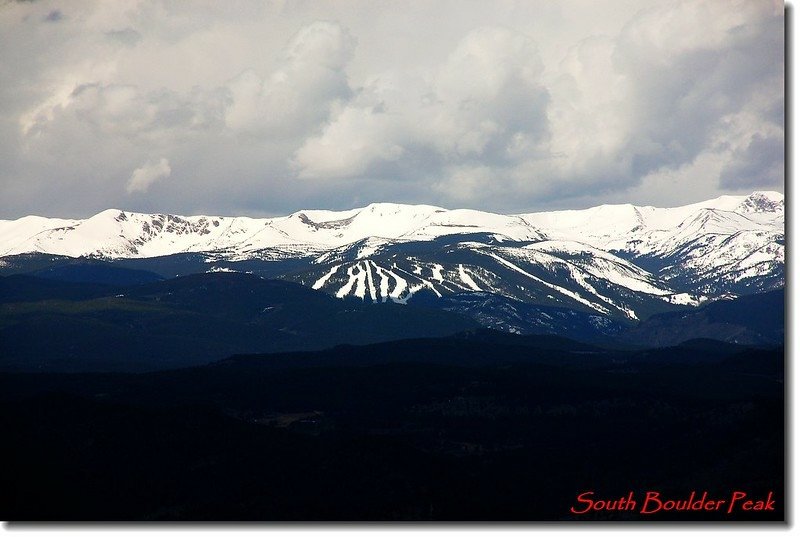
(762, 203)
(470, 221)
(332, 229)
(621, 227)
(15, 235)
(601, 264)
(114, 233)
(639, 230)
(552, 273)
(716, 246)
(618, 260)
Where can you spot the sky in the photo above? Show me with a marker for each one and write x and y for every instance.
(263, 108)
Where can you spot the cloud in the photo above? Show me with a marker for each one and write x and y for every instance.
(759, 165)
(143, 177)
(492, 94)
(124, 110)
(53, 16)
(484, 104)
(358, 139)
(494, 122)
(658, 94)
(299, 93)
(723, 53)
(274, 107)
(127, 36)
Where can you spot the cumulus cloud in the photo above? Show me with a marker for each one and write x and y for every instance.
(124, 110)
(143, 177)
(492, 94)
(358, 139)
(484, 104)
(758, 165)
(660, 95)
(691, 66)
(270, 108)
(298, 94)
(494, 122)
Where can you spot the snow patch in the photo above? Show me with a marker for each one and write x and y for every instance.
(321, 282)
(467, 279)
(573, 295)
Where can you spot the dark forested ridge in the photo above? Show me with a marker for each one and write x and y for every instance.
(752, 319)
(201, 318)
(187, 321)
(476, 427)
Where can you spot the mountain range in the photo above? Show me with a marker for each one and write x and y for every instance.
(392, 362)
(603, 268)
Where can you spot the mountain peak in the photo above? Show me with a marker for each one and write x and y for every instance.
(762, 202)
(115, 232)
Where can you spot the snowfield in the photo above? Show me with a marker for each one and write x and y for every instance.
(610, 259)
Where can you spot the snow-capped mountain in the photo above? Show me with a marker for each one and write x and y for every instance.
(114, 233)
(725, 244)
(553, 273)
(611, 261)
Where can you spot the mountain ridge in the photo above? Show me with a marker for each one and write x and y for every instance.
(620, 261)
(388, 214)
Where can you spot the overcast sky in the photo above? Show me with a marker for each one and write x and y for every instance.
(264, 108)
